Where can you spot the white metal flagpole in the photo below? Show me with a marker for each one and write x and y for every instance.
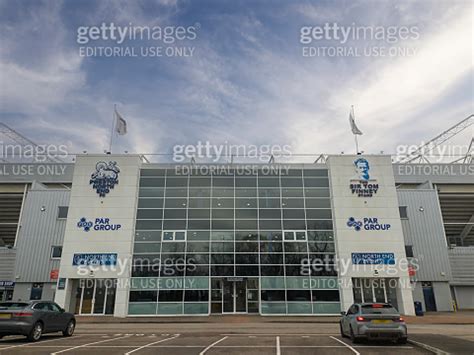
(355, 133)
(113, 128)
(357, 144)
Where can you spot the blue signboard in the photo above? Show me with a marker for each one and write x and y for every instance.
(61, 283)
(94, 259)
(4, 283)
(373, 258)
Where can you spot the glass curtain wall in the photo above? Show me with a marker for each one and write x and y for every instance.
(195, 234)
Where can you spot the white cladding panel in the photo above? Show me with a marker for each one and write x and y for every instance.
(119, 206)
(382, 205)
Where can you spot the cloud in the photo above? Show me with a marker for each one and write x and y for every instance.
(246, 84)
(395, 94)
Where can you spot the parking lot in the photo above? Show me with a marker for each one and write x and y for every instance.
(200, 344)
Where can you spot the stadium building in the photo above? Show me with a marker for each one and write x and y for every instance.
(117, 235)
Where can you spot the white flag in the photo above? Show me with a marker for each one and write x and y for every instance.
(354, 128)
(120, 124)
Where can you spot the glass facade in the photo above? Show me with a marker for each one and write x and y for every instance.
(235, 243)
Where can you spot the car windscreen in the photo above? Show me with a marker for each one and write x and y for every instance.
(12, 305)
(378, 309)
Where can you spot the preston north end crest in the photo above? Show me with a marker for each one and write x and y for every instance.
(105, 177)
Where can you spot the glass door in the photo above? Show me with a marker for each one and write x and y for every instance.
(240, 292)
(375, 290)
(379, 290)
(87, 298)
(234, 296)
(110, 300)
(99, 297)
(95, 297)
(228, 297)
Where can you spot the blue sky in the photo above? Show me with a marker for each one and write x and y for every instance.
(247, 81)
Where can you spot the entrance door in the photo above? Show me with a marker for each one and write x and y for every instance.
(234, 294)
(228, 297)
(240, 291)
(429, 297)
(375, 290)
(99, 298)
(87, 298)
(96, 297)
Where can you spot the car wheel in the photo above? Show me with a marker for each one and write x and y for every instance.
(36, 332)
(402, 340)
(354, 339)
(342, 331)
(69, 331)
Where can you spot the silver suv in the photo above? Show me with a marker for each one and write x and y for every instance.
(373, 321)
(34, 318)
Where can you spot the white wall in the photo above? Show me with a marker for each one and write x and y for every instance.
(22, 291)
(464, 297)
(442, 293)
(383, 205)
(119, 205)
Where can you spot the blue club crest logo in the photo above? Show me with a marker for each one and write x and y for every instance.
(85, 224)
(105, 177)
(352, 223)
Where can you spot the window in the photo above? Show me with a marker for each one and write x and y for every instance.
(196, 296)
(13, 305)
(54, 307)
(298, 295)
(325, 295)
(36, 291)
(177, 236)
(295, 235)
(41, 307)
(378, 309)
(403, 212)
(273, 295)
(409, 251)
(62, 212)
(170, 296)
(56, 251)
(353, 310)
(143, 296)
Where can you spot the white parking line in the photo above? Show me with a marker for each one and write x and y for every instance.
(150, 344)
(278, 346)
(276, 334)
(84, 345)
(210, 346)
(234, 346)
(428, 347)
(345, 344)
(31, 344)
(200, 346)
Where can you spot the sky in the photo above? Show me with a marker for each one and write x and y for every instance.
(247, 81)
